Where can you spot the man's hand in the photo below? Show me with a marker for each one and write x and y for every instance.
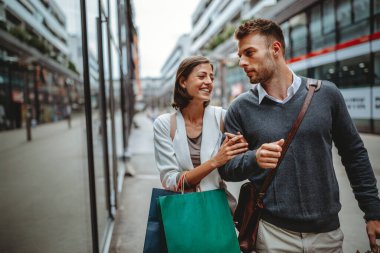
(373, 231)
(268, 154)
(241, 137)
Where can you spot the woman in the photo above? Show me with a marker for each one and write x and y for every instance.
(195, 151)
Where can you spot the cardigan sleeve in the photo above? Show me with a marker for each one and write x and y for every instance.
(166, 161)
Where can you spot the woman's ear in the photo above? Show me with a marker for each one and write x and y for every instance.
(182, 82)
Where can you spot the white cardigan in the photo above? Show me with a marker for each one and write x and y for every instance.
(173, 156)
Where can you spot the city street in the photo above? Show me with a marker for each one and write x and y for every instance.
(62, 149)
(77, 166)
(129, 232)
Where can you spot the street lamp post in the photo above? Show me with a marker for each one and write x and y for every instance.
(28, 107)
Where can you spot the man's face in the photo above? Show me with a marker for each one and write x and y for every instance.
(256, 58)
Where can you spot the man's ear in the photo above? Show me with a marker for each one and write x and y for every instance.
(276, 47)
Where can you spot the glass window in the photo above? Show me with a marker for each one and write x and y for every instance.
(298, 34)
(326, 72)
(2, 12)
(355, 72)
(44, 183)
(315, 28)
(285, 30)
(361, 10)
(3, 74)
(353, 28)
(344, 13)
(302, 72)
(328, 16)
(376, 6)
(377, 69)
(328, 23)
(315, 21)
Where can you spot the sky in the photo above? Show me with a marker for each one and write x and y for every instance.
(160, 23)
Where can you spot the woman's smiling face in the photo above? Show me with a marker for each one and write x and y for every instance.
(200, 83)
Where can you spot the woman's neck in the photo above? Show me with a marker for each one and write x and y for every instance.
(193, 112)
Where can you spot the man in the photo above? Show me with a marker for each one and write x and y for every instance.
(302, 204)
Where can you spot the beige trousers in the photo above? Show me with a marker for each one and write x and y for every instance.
(272, 239)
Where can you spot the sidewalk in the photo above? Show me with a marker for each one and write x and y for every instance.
(130, 225)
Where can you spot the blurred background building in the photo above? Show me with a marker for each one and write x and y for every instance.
(67, 104)
(36, 74)
(336, 40)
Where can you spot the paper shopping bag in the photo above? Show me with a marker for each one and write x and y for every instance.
(198, 222)
(154, 236)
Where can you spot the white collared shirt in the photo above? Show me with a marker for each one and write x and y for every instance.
(291, 91)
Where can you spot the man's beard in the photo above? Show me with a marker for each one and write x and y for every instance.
(265, 72)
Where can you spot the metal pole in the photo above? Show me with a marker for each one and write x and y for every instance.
(103, 114)
(122, 84)
(10, 104)
(37, 82)
(129, 90)
(28, 107)
(90, 151)
(68, 106)
(112, 107)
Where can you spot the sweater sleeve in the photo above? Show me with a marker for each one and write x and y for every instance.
(355, 158)
(166, 161)
(243, 166)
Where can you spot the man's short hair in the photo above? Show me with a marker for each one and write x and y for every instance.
(264, 27)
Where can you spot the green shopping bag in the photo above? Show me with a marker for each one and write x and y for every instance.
(198, 222)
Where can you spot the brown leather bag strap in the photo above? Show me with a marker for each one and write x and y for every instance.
(221, 123)
(173, 125)
(312, 86)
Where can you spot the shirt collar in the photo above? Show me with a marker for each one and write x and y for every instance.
(291, 90)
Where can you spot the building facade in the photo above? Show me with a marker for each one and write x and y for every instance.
(336, 40)
(37, 78)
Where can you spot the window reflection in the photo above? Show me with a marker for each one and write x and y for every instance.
(316, 28)
(326, 72)
(298, 34)
(377, 69)
(361, 10)
(355, 72)
(344, 13)
(285, 30)
(353, 26)
(328, 16)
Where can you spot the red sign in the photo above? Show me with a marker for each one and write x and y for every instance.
(17, 96)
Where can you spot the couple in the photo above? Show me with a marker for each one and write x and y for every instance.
(302, 203)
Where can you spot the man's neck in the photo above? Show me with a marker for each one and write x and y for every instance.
(278, 85)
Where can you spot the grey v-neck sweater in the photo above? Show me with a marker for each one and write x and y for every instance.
(304, 195)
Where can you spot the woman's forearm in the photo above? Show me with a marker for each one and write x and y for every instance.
(194, 176)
